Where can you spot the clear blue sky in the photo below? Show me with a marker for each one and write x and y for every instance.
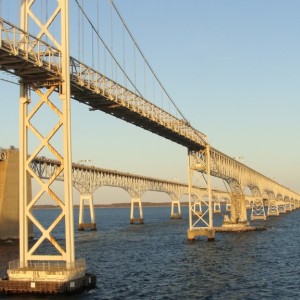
(231, 66)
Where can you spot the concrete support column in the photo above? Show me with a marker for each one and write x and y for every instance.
(258, 210)
(228, 205)
(217, 206)
(248, 204)
(81, 224)
(272, 208)
(197, 207)
(281, 207)
(176, 214)
(136, 201)
(238, 208)
(292, 205)
(288, 206)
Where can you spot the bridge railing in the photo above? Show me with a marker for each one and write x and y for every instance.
(83, 75)
(226, 167)
(20, 43)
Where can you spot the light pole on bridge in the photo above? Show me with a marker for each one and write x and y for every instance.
(84, 161)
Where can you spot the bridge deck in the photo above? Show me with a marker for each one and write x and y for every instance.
(36, 62)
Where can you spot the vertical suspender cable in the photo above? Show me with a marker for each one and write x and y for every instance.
(107, 47)
(111, 41)
(47, 16)
(98, 29)
(134, 65)
(153, 82)
(82, 33)
(145, 83)
(92, 48)
(42, 11)
(79, 36)
(124, 63)
(144, 58)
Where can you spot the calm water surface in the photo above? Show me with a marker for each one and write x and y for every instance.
(155, 261)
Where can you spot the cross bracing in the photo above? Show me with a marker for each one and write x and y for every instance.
(47, 72)
(233, 171)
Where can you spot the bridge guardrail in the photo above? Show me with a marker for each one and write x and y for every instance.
(20, 43)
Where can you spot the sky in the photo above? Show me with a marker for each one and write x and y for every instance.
(231, 66)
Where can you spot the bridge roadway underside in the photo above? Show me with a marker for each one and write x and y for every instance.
(42, 68)
(26, 69)
(41, 76)
(102, 103)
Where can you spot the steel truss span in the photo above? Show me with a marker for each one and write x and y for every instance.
(87, 179)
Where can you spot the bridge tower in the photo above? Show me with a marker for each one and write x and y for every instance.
(47, 262)
(200, 220)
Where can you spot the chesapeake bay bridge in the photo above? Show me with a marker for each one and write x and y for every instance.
(37, 52)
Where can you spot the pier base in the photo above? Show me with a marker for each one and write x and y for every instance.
(46, 277)
(240, 229)
(205, 232)
(237, 227)
(253, 218)
(87, 226)
(176, 216)
(273, 213)
(136, 220)
(85, 282)
(229, 224)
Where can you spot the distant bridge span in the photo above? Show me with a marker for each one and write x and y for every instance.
(87, 179)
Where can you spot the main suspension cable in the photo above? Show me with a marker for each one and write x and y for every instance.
(154, 74)
(107, 48)
(143, 56)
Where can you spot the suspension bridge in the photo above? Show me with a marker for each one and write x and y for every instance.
(49, 78)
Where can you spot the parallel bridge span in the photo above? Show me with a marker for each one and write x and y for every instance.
(87, 179)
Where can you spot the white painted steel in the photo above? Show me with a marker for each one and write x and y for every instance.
(67, 253)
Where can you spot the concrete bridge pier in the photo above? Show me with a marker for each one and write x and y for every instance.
(288, 206)
(228, 206)
(258, 210)
(136, 201)
(248, 204)
(198, 207)
(238, 213)
(9, 195)
(176, 214)
(281, 207)
(272, 208)
(81, 224)
(217, 206)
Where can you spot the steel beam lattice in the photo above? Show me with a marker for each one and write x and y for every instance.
(54, 66)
